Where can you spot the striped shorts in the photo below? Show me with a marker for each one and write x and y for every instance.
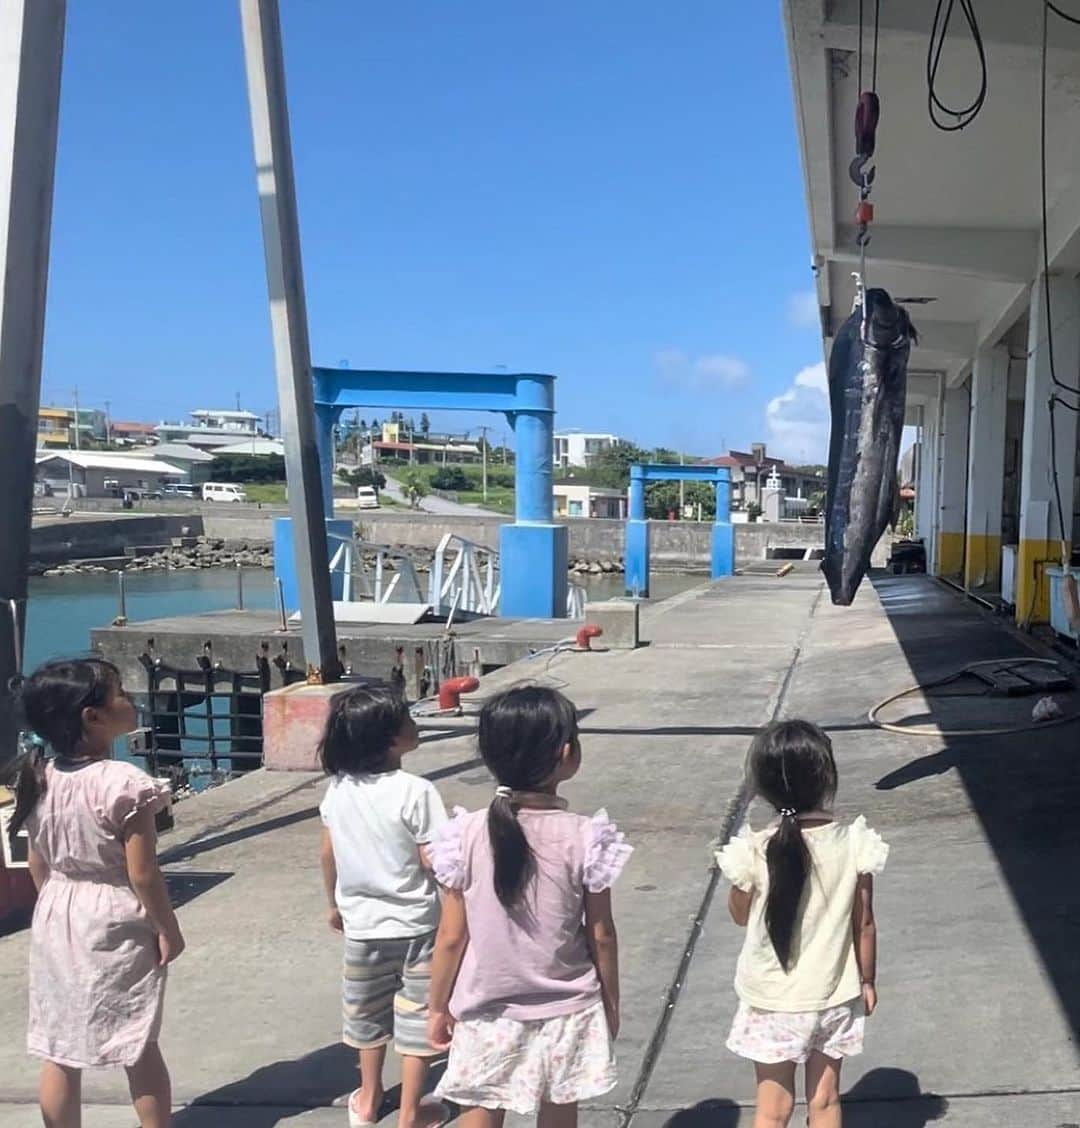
(385, 994)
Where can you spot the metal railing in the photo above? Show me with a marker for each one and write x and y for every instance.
(464, 577)
(391, 578)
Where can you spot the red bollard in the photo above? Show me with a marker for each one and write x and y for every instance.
(586, 635)
(451, 690)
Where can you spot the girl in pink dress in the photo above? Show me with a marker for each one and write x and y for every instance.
(103, 929)
(525, 980)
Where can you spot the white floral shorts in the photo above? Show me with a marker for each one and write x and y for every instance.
(502, 1063)
(774, 1036)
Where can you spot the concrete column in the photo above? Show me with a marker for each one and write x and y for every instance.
(986, 468)
(952, 491)
(533, 551)
(723, 532)
(636, 564)
(1040, 532)
(31, 53)
(926, 492)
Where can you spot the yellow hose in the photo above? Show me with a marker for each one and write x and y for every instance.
(934, 730)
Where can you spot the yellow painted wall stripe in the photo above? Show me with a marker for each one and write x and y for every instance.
(950, 561)
(982, 561)
(1033, 557)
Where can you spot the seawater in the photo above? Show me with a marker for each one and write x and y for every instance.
(63, 610)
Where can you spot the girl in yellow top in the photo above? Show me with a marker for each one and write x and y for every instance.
(803, 888)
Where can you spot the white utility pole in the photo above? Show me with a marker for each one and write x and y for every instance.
(31, 54)
(78, 436)
(288, 317)
(483, 455)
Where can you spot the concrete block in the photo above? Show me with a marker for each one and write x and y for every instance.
(619, 620)
(293, 722)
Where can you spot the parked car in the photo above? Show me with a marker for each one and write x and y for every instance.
(183, 490)
(223, 491)
(366, 497)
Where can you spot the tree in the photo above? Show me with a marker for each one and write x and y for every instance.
(450, 478)
(425, 425)
(662, 498)
(415, 487)
(364, 476)
(611, 467)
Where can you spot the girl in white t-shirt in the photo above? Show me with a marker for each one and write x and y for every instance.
(803, 888)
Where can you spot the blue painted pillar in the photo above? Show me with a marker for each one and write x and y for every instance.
(325, 418)
(285, 559)
(534, 551)
(637, 537)
(723, 532)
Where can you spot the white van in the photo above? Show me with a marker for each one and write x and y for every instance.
(366, 497)
(223, 491)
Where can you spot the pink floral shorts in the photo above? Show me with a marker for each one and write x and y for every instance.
(502, 1063)
(774, 1036)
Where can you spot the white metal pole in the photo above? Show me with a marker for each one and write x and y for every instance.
(288, 315)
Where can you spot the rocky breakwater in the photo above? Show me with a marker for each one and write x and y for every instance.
(606, 567)
(204, 552)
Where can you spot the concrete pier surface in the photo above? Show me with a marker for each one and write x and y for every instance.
(979, 909)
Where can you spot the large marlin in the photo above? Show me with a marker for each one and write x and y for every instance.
(867, 389)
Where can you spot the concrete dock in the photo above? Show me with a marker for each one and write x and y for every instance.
(979, 909)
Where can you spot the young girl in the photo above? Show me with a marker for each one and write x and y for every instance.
(103, 929)
(804, 890)
(527, 944)
(377, 821)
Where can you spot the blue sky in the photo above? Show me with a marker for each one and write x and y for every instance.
(607, 191)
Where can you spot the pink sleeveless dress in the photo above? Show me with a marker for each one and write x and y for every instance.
(96, 989)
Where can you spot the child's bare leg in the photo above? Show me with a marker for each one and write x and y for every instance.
(775, 1094)
(368, 1098)
(482, 1118)
(557, 1116)
(823, 1091)
(60, 1094)
(151, 1089)
(411, 1113)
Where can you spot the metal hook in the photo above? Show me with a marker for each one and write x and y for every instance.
(861, 176)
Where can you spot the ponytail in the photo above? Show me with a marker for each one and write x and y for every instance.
(510, 850)
(28, 775)
(789, 867)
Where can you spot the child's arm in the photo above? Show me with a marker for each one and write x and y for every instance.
(864, 932)
(604, 948)
(738, 904)
(39, 871)
(329, 876)
(140, 853)
(450, 945)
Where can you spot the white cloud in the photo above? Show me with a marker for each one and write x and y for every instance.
(798, 418)
(802, 310)
(702, 373)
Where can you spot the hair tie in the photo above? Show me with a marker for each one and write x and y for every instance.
(504, 793)
(788, 812)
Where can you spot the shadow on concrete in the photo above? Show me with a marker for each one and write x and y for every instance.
(891, 1098)
(712, 1113)
(185, 887)
(1024, 788)
(289, 1089)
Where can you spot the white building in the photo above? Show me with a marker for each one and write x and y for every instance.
(960, 222)
(84, 473)
(578, 448)
(574, 499)
(211, 428)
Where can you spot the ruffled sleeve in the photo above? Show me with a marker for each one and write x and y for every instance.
(448, 851)
(129, 791)
(737, 859)
(606, 852)
(869, 849)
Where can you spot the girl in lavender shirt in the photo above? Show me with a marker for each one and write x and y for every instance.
(525, 980)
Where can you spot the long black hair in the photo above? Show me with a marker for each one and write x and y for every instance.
(53, 699)
(791, 766)
(523, 732)
(361, 727)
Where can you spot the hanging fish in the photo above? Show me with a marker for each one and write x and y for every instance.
(867, 391)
